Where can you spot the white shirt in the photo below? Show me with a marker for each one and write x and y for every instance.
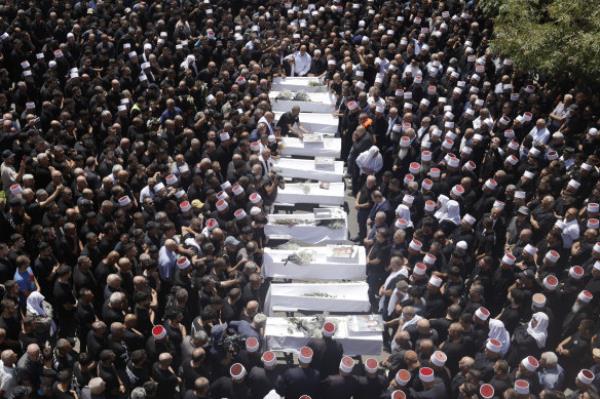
(301, 63)
(540, 136)
(372, 101)
(413, 70)
(561, 111)
(570, 232)
(9, 176)
(146, 192)
(8, 380)
(384, 63)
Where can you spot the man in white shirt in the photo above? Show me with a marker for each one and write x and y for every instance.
(8, 373)
(540, 132)
(7, 170)
(412, 68)
(267, 119)
(301, 62)
(570, 228)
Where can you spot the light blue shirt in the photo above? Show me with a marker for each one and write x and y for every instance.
(552, 378)
(166, 263)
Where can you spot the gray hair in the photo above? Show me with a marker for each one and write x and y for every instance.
(550, 358)
(260, 319)
(138, 393)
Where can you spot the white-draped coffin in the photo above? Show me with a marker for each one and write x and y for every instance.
(307, 169)
(322, 266)
(281, 335)
(318, 297)
(299, 83)
(315, 123)
(326, 147)
(313, 102)
(304, 227)
(311, 193)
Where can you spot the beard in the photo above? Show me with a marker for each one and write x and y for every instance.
(576, 307)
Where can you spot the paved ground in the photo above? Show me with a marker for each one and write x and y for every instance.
(352, 224)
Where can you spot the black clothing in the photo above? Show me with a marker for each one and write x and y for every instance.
(327, 354)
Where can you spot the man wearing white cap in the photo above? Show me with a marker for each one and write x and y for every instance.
(343, 384)
(581, 309)
(437, 361)
(300, 380)
(327, 351)
(233, 385)
(584, 382)
(432, 386)
(262, 379)
(373, 383)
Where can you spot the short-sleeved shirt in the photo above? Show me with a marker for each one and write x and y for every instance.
(26, 282)
(287, 119)
(8, 380)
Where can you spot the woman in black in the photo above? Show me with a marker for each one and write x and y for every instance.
(529, 339)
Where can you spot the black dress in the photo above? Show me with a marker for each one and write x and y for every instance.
(522, 345)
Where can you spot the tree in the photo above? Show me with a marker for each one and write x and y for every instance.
(558, 39)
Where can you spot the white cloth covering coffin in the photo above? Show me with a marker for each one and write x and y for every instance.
(282, 336)
(318, 297)
(305, 229)
(311, 193)
(327, 147)
(320, 267)
(317, 102)
(307, 169)
(299, 83)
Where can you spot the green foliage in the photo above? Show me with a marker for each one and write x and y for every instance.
(489, 8)
(556, 38)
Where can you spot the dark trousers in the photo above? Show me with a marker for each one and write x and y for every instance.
(375, 281)
(361, 217)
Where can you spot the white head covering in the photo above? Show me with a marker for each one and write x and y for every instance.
(452, 212)
(539, 332)
(443, 200)
(189, 60)
(499, 332)
(403, 212)
(370, 159)
(35, 304)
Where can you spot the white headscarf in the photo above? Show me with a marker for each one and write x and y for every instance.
(403, 212)
(499, 332)
(35, 304)
(443, 200)
(452, 212)
(188, 62)
(370, 160)
(539, 332)
(396, 297)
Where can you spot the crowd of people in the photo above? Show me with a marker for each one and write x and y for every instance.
(137, 143)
